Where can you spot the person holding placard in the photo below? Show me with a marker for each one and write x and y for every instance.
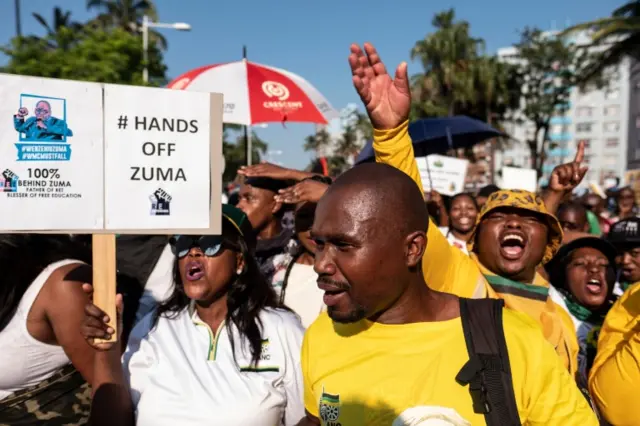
(45, 365)
(218, 351)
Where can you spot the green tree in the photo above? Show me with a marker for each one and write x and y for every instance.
(497, 94)
(235, 152)
(446, 55)
(127, 14)
(618, 36)
(60, 19)
(347, 148)
(112, 56)
(363, 126)
(318, 142)
(550, 68)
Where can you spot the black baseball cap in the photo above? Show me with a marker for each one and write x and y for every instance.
(273, 185)
(232, 216)
(625, 232)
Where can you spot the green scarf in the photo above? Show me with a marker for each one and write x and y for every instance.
(527, 291)
(625, 285)
(580, 312)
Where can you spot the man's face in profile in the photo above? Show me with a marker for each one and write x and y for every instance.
(43, 111)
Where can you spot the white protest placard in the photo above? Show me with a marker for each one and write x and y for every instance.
(447, 173)
(516, 178)
(51, 154)
(157, 158)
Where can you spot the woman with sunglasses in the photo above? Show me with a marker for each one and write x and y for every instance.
(218, 351)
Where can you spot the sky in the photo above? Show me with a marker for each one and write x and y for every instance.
(312, 38)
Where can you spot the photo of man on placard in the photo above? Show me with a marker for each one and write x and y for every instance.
(42, 126)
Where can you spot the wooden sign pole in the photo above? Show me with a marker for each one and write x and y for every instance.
(104, 278)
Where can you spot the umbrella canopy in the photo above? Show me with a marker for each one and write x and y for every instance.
(255, 93)
(438, 135)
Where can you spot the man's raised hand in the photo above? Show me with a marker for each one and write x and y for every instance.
(387, 100)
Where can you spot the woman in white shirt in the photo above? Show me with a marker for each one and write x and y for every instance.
(462, 213)
(218, 351)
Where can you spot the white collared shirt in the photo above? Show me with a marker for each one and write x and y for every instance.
(181, 373)
(455, 242)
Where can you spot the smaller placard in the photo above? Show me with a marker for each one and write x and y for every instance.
(516, 178)
(444, 174)
(51, 154)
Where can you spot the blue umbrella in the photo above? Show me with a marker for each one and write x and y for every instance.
(438, 135)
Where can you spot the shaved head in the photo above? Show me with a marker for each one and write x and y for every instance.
(370, 231)
(383, 194)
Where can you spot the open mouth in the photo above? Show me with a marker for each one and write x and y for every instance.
(512, 245)
(332, 293)
(628, 272)
(465, 221)
(594, 286)
(195, 271)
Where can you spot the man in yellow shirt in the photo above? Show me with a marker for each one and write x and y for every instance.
(614, 379)
(389, 350)
(515, 233)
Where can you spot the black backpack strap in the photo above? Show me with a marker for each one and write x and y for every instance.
(488, 372)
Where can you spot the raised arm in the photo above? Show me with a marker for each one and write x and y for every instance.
(388, 101)
(273, 171)
(112, 402)
(564, 180)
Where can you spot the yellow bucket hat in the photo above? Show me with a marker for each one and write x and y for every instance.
(524, 200)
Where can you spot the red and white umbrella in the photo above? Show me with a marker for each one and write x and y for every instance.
(255, 93)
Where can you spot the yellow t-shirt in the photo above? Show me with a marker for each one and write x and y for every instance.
(614, 379)
(449, 270)
(373, 374)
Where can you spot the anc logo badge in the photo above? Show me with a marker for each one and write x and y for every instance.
(329, 408)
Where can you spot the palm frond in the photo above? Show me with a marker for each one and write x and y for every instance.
(42, 22)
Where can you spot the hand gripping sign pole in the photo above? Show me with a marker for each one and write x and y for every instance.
(88, 158)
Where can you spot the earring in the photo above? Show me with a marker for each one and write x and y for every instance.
(239, 271)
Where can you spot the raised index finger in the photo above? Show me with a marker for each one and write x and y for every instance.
(580, 153)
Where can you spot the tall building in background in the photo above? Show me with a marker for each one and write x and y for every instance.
(599, 117)
(633, 146)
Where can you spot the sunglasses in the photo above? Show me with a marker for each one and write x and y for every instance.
(210, 245)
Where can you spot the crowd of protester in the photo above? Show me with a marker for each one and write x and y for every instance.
(502, 307)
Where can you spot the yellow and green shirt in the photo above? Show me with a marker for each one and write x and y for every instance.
(449, 270)
(377, 374)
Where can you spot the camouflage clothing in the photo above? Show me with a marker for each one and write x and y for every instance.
(63, 399)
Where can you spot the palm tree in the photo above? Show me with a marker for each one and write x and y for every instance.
(318, 142)
(446, 57)
(127, 14)
(363, 126)
(349, 145)
(61, 19)
(620, 34)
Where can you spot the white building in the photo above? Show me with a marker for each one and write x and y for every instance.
(599, 117)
